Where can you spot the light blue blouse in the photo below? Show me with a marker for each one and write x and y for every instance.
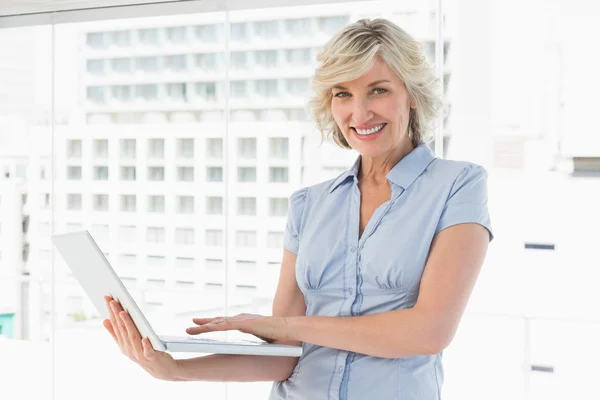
(341, 275)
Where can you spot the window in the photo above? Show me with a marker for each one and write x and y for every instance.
(127, 233)
(96, 94)
(266, 58)
(177, 62)
(298, 57)
(214, 237)
(95, 67)
(267, 29)
(177, 34)
(155, 261)
(297, 87)
(184, 236)
(214, 174)
(177, 91)
(101, 173)
(275, 240)
(95, 40)
(214, 205)
(146, 92)
(279, 148)
(298, 27)
(156, 174)
(185, 148)
(239, 60)
(184, 262)
(127, 259)
(146, 64)
(121, 65)
(278, 207)
(246, 206)
(207, 91)
(156, 204)
(247, 148)
(330, 25)
(278, 175)
(156, 148)
(245, 239)
(128, 203)
(128, 173)
(101, 148)
(148, 36)
(238, 89)
(246, 174)
(238, 31)
(267, 88)
(74, 148)
(128, 148)
(74, 173)
(185, 174)
(100, 202)
(74, 201)
(43, 173)
(207, 61)
(45, 201)
(121, 38)
(214, 148)
(185, 204)
(121, 93)
(155, 234)
(208, 33)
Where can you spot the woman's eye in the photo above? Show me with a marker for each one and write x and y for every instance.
(379, 91)
(342, 94)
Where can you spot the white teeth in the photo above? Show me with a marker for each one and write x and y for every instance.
(369, 131)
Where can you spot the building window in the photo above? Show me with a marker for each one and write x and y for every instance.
(297, 87)
(267, 29)
(155, 234)
(121, 38)
(156, 174)
(73, 201)
(74, 173)
(184, 262)
(156, 148)
(121, 93)
(177, 91)
(208, 33)
(95, 40)
(246, 174)
(214, 174)
(298, 27)
(214, 237)
(247, 148)
(279, 148)
(185, 148)
(95, 67)
(298, 57)
(45, 201)
(121, 65)
(184, 236)
(239, 60)
(245, 239)
(185, 204)
(101, 148)
(146, 92)
(177, 34)
(148, 36)
(128, 203)
(74, 148)
(214, 205)
(156, 204)
(246, 206)
(278, 174)
(128, 148)
(207, 91)
(176, 62)
(331, 25)
(96, 94)
(101, 173)
(238, 31)
(155, 261)
(238, 89)
(128, 174)
(100, 202)
(206, 61)
(266, 88)
(266, 58)
(278, 207)
(185, 174)
(127, 233)
(214, 148)
(275, 240)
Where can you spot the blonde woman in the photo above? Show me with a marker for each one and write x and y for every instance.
(380, 262)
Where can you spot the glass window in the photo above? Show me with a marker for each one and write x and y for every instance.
(299, 27)
(278, 207)
(155, 234)
(267, 88)
(238, 31)
(128, 174)
(246, 206)
(74, 173)
(331, 25)
(247, 148)
(298, 57)
(155, 261)
(121, 93)
(185, 148)
(245, 239)
(206, 61)
(74, 201)
(185, 204)
(208, 33)
(146, 64)
(95, 40)
(207, 91)
(146, 92)
(121, 65)
(184, 262)
(96, 94)
(185, 174)
(121, 38)
(74, 148)
(177, 34)
(279, 148)
(214, 237)
(177, 62)
(297, 87)
(101, 148)
(238, 89)
(246, 174)
(156, 148)
(267, 29)
(156, 204)
(214, 148)
(278, 175)
(177, 91)
(214, 205)
(128, 203)
(156, 174)
(185, 236)
(100, 202)
(128, 148)
(101, 173)
(148, 36)
(239, 60)
(266, 58)
(95, 67)
(214, 174)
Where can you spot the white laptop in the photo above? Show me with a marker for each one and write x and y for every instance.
(98, 279)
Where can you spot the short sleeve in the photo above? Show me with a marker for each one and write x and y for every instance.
(468, 200)
(291, 237)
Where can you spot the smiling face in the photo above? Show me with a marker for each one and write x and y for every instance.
(373, 112)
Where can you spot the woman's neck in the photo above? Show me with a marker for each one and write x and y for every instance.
(375, 170)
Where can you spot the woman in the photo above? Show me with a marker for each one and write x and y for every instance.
(379, 263)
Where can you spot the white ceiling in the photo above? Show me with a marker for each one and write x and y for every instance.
(20, 7)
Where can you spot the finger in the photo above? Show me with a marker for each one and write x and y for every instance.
(132, 333)
(202, 321)
(113, 320)
(211, 327)
(121, 326)
(149, 352)
(108, 325)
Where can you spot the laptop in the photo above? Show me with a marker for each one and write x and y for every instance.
(98, 279)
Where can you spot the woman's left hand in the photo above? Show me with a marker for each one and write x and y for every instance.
(269, 329)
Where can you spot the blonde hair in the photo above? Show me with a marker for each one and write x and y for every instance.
(352, 52)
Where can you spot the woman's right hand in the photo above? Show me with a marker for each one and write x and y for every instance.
(120, 325)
